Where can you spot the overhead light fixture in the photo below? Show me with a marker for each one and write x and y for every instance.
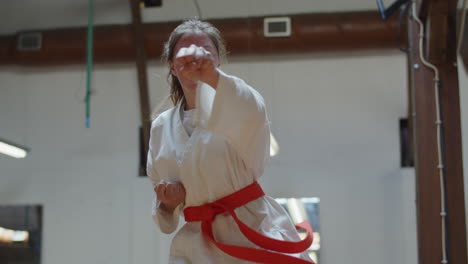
(12, 150)
(12, 236)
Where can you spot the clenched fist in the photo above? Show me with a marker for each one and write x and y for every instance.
(195, 64)
(171, 194)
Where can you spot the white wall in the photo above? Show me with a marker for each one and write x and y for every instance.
(336, 120)
(83, 177)
(335, 117)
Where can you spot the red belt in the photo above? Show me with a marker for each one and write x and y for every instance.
(207, 212)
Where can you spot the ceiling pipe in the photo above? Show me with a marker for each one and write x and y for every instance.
(349, 31)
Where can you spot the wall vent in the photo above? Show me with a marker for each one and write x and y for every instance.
(277, 27)
(29, 41)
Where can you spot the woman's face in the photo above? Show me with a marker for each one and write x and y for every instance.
(199, 39)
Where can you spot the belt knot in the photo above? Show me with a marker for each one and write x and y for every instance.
(206, 212)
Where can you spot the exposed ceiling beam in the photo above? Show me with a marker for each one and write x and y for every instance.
(244, 36)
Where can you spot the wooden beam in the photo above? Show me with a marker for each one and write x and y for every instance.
(440, 45)
(436, 31)
(140, 57)
(321, 32)
(423, 7)
(425, 150)
(450, 100)
(443, 49)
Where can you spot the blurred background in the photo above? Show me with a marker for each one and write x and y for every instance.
(336, 89)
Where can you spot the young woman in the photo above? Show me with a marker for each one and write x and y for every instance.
(205, 156)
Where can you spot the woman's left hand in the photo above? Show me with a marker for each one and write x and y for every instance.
(197, 64)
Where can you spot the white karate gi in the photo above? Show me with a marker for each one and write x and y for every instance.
(224, 154)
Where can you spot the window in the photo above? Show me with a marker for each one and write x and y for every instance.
(20, 234)
(305, 209)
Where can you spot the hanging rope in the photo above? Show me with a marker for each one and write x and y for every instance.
(89, 62)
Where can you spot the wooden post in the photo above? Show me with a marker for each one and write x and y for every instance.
(450, 100)
(440, 47)
(140, 57)
(425, 151)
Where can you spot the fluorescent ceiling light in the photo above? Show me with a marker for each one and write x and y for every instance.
(12, 150)
(11, 236)
(20, 236)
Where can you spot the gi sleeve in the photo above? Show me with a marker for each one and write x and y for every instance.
(238, 113)
(167, 222)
